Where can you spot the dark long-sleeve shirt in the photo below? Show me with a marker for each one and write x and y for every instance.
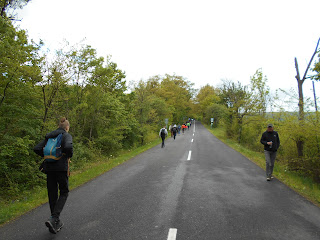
(270, 137)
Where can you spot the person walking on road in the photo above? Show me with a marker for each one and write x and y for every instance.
(163, 133)
(183, 128)
(270, 140)
(174, 132)
(57, 173)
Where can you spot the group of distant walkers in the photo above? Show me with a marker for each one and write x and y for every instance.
(174, 130)
(57, 149)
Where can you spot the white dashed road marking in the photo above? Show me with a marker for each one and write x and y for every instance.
(172, 235)
(189, 156)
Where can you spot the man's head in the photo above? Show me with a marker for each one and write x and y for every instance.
(270, 127)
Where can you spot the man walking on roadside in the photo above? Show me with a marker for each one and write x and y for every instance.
(163, 133)
(270, 140)
(57, 172)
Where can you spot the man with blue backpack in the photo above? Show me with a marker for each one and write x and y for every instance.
(56, 149)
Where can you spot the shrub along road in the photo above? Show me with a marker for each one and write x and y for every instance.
(194, 188)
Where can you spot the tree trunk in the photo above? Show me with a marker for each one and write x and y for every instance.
(300, 142)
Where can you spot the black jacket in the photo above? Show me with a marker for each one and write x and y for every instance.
(270, 137)
(67, 151)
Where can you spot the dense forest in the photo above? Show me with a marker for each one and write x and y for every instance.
(39, 86)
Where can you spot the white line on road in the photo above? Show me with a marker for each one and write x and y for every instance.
(172, 235)
(189, 156)
(192, 140)
(193, 134)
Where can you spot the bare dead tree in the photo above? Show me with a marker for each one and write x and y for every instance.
(300, 142)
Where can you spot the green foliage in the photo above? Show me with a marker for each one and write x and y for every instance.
(8, 6)
(242, 111)
(37, 88)
(160, 98)
(206, 97)
(317, 69)
(217, 111)
(260, 92)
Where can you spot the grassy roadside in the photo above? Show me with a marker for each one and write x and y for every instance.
(302, 185)
(38, 196)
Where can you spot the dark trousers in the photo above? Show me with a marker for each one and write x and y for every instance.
(174, 135)
(57, 180)
(163, 138)
(270, 159)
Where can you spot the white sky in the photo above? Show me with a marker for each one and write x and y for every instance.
(204, 41)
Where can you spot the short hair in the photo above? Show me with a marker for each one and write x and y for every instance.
(63, 123)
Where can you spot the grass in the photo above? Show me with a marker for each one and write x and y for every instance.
(31, 199)
(303, 185)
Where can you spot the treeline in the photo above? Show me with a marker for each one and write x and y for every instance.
(242, 112)
(38, 87)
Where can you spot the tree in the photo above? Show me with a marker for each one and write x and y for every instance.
(177, 93)
(238, 100)
(55, 76)
(260, 92)
(206, 97)
(19, 104)
(6, 5)
(300, 81)
(317, 69)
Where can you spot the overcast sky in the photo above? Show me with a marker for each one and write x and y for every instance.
(204, 40)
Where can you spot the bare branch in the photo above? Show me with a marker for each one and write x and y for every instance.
(315, 52)
(297, 69)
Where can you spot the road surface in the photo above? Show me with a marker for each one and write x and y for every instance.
(195, 188)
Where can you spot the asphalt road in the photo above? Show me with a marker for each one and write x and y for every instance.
(195, 188)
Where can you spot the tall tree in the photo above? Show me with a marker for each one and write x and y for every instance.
(300, 81)
(206, 97)
(237, 99)
(260, 92)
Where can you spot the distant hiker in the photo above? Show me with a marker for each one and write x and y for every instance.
(57, 170)
(179, 128)
(163, 133)
(188, 124)
(174, 131)
(170, 129)
(270, 140)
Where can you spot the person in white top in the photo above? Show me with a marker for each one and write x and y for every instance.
(163, 133)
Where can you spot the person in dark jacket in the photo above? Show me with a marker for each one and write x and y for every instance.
(174, 131)
(57, 174)
(270, 140)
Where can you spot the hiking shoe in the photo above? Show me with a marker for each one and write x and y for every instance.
(268, 179)
(272, 177)
(51, 224)
(59, 225)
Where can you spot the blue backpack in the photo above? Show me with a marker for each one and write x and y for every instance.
(52, 151)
